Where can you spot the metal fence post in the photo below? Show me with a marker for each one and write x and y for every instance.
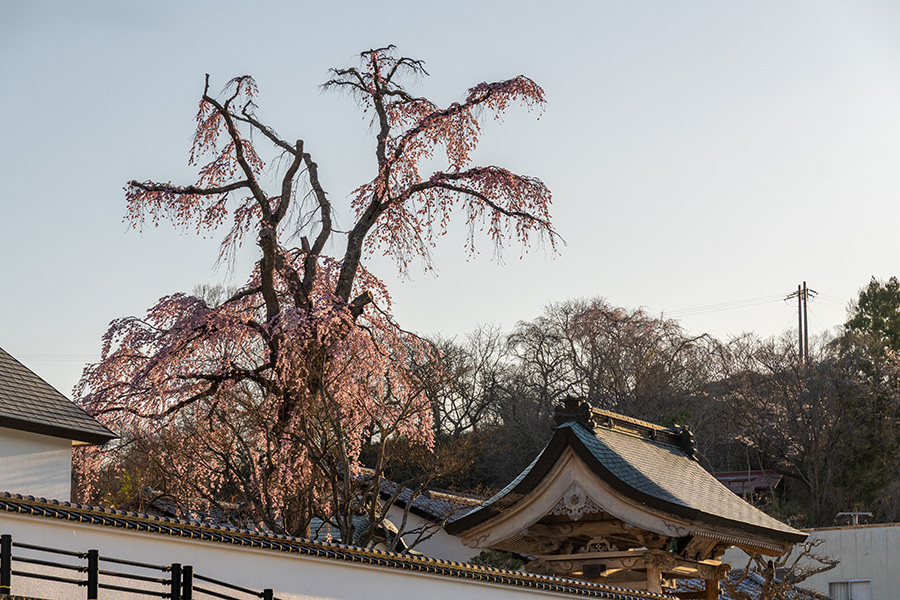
(93, 574)
(268, 594)
(187, 582)
(6, 564)
(175, 582)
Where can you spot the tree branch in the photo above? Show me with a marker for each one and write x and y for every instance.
(150, 186)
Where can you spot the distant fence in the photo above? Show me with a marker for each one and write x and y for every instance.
(175, 581)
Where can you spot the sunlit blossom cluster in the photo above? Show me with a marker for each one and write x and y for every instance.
(417, 208)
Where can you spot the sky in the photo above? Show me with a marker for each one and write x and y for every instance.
(705, 157)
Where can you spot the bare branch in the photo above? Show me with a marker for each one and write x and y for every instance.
(150, 186)
(265, 130)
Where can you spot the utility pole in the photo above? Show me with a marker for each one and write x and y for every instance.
(803, 294)
(854, 516)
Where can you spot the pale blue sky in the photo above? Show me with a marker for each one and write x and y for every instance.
(699, 153)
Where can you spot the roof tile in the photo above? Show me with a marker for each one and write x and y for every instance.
(28, 403)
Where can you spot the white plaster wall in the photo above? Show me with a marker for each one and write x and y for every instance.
(293, 577)
(34, 464)
(867, 552)
(435, 542)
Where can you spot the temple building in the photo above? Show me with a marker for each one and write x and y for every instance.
(620, 501)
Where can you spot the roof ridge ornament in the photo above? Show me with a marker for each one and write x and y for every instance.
(574, 410)
(676, 435)
(686, 440)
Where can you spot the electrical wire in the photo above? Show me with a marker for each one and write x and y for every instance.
(60, 357)
(699, 310)
(824, 300)
(821, 326)
(834, 298)
(789, 326)
(829, 302)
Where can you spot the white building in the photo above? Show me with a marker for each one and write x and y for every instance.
(870, 562)
(38, 427)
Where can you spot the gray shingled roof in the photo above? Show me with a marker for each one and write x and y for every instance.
(658, 474)
(666, 473)
(28, 403)
(434, 505)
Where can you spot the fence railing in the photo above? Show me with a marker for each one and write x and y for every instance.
(175, 581)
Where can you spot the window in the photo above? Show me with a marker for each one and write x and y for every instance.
(850, 590)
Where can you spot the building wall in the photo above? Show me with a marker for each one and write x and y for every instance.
(867, 553)
(292, 576)
(35, 465)
(430, 539)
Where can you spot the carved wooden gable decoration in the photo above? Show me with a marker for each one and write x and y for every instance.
(622, 501)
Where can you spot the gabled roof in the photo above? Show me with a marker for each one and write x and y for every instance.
(28, 403)
(651, 466)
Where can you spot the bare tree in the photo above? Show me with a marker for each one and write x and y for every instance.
(779, 577)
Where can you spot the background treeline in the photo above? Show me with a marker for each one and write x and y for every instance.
(831, 426)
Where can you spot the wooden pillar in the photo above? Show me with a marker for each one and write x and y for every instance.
(712, 589)
(654, 578)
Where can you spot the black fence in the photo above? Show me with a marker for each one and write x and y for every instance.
(83, 569)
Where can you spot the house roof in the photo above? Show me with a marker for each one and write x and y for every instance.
(28, 403)
(154, 525)
(747, 482)
(438, 506)
(649, 464)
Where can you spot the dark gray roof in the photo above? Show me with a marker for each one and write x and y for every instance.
(665, 473)
(640, 461)
(28, 403)
(438, 506)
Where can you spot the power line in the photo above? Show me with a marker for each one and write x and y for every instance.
(834, 299)
(699, 310)
(822, 328)
(831, 304)
(60, 357)
(787, 325)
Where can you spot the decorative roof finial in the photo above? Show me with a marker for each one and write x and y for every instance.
(573, 409)
(686, 440)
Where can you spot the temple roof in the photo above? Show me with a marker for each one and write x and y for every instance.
(649, 465)
(28, 403)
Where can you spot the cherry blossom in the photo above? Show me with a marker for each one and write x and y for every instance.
(267, 398)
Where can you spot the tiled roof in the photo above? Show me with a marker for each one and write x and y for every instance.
(439, 506)
(28, 403)
(643, 464)
(664, 472)
(105, 517)
(454, 528)
(752, 585)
